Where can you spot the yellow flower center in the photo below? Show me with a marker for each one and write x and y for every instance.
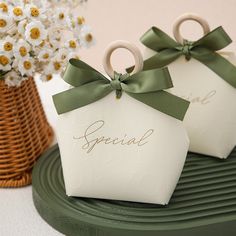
(57, 65)
(8, 46)
(3, 23)
(80, 20)
(48, 77)
(72, 44)
(34, 11)
(4, 7)
(17, 11)
(89, 37)
(4, 60)
(45, 56)
(35, 33)
(27, 65)
(61, 16)
(23, 51)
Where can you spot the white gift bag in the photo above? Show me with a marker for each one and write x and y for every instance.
(211, 118)
(121, 149)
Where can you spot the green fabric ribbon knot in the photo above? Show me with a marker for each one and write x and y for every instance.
(203, 50)
(116, 83)
(146, 87)
(186, 49)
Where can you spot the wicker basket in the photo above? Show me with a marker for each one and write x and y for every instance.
(24, 132)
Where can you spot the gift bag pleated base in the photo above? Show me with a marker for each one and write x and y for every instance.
(204, 203)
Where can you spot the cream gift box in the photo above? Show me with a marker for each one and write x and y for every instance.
(211, 118)
(121, 149)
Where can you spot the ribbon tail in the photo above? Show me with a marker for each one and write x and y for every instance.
(164, 102)
(81, 96)
(221, 66)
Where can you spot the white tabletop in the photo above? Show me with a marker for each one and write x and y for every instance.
(18, 216)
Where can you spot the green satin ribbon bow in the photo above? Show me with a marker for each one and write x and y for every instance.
(146, 86)
(203, 50)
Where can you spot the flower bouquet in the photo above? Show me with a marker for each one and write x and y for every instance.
(32, 35)
(36, 37)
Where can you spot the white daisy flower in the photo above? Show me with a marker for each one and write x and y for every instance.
(46, 77)
(7, 45)
(55, 66)
(72, 44)
(62, 54)
(17, 13)
(47, 73)
(61, 16)
(34, 12)
(4, 7)
(13, 79)
(73, 55)
(6, 23)
(21, 49)
(78, 22)
(35, 32)
(45, 55)
(86, 37)
(5, 62)
(26, 66)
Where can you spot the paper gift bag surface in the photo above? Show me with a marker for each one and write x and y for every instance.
(205, 76)
(122, 137)
(121, 149)
(211, 117)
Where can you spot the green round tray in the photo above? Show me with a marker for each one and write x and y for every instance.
(204, 203)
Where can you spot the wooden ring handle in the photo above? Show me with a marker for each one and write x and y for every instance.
(122, 44)
(185, 17)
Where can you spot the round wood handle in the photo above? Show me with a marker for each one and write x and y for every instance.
(122, 44)
(185, 17)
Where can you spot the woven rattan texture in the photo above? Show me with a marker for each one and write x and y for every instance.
(24, 132)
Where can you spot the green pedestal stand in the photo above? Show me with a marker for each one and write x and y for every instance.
(204, 203)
